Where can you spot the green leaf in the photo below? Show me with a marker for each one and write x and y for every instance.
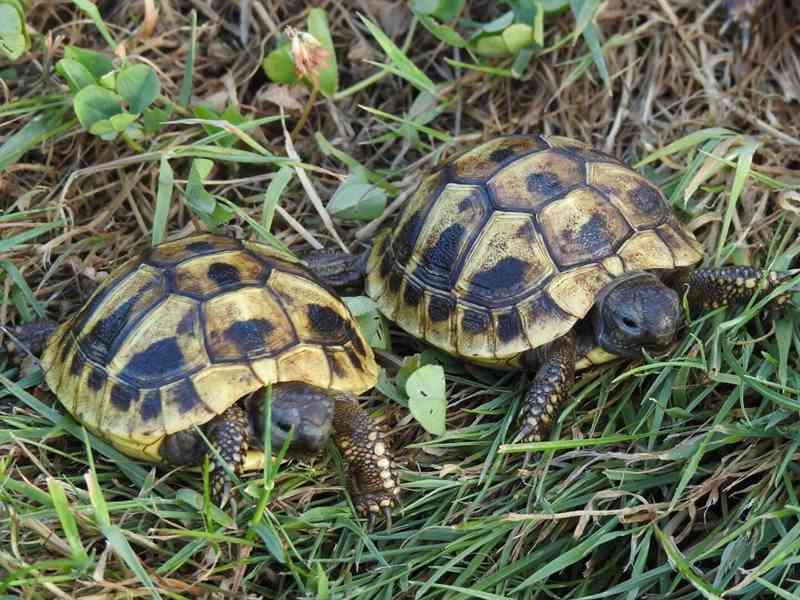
(121, 121)
(427, 398)
(424, 7)
(448, 10)
(359, 201)
(443, 32)
(94, 103)
(279, 65)
(360, 305)
(104, 129)
(186, 81)
(375, 330)
(272, 196)
(37, 130)
(67, 518)
(14, 40)
(491, 46)
(96, 63)
(139, 86)
(328, 74)
(166, 183)
(91, 10)
(517, 36)
(153, 118)
(76, 75)
(271, 541)
(404, 67)
(196, 195)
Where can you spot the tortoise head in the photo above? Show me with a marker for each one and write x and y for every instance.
(636, 312)
(305, 410)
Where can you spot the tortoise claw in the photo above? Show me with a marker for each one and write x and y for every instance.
(387, 516)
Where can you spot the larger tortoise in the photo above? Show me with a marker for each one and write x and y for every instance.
(543, 254)
(177, 340)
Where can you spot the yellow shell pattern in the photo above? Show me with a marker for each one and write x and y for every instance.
(177, 336)
(506, 247)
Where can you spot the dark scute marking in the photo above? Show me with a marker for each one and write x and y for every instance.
(76, 366)
(395, 280)
(96, 379)
(647, 200)
(544, 309)
(354, 359)
(326, 321)
(594, 235)
(546, 183)
(406, 239)
(439, 308)
(357, 343)
(336, 366)
(474, 321)
(509, 326)
(163, 356)
(66, 346)
(186, 395)
(525, 232)
(224, 274)
(386, 265)
(103, 334)
(506, 274)
(412, 294)
(249, 335)
(438, 259)
(501, 154)
(201, 246)
(186, 324)
(122, 395)
(151, 405)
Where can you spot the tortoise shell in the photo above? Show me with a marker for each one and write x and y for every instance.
(176, 336)
(506, 247)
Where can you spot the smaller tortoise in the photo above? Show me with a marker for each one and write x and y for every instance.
(543, 254)
(179, 338)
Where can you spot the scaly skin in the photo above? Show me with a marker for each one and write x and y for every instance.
(373, 482)
(550, 388)
(707, 289)
(229, 433)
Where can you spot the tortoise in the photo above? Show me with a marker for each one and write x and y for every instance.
(544, 254)
(176, 340)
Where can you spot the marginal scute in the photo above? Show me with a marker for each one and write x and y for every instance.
(475, 333)
(482, 161)
(181, 402)
(531, 182)
(582, 227)
(511, 338)
(409, 304)
(410, 223)
(575, 291)
(684, 252)
(646, 250)
(543, 320)
(305, 363)
(439, 330)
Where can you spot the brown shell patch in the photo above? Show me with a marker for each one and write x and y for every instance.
(482, 161)
(575, 291)
(683, 252)
(582, 227)
(532, 181)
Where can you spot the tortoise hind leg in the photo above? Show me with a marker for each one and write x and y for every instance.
(550, 387)
(372, 480)
(711, 288)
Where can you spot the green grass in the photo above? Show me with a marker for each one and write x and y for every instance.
(672, 479)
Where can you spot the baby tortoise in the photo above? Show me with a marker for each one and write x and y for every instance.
(543, 254)
(178, 339)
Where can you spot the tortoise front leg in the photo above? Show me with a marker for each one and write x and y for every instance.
(372, 480)
(550, 387)
(228, 434)
(711, 288)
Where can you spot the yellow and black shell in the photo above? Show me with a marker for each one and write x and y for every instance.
(506, 247)
(175, 337)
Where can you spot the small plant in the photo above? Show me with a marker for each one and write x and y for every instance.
(14, 39)
(109, 101)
